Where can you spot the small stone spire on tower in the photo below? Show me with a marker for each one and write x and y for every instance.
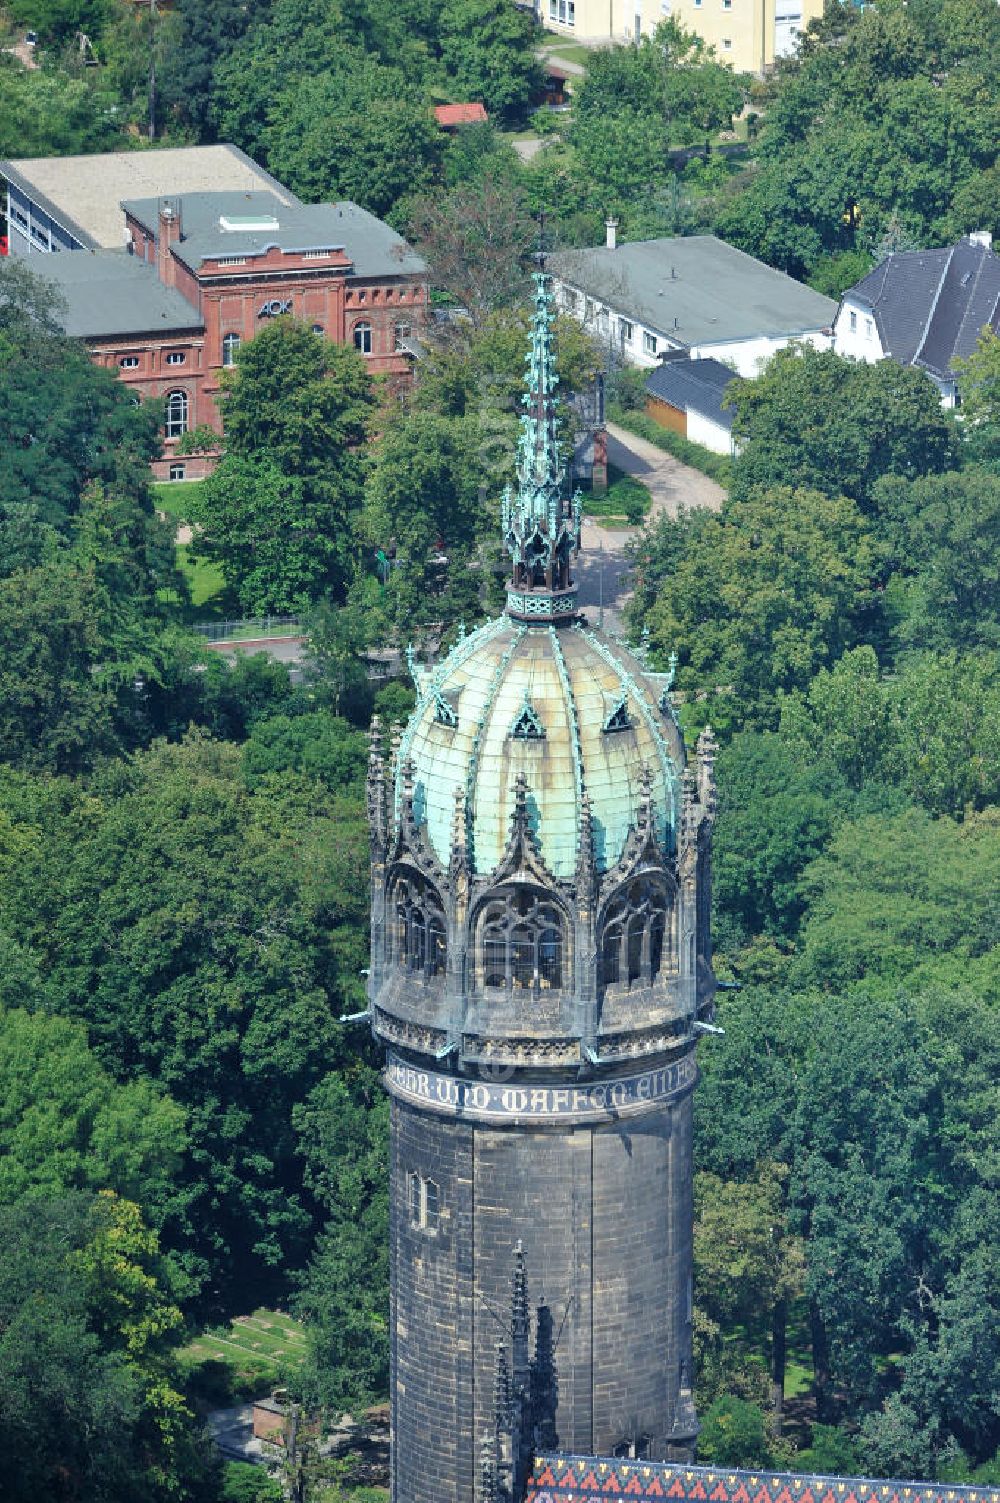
(586, 870)
(706, 748)
(459, 864)
(377, 806)
(489, 1490)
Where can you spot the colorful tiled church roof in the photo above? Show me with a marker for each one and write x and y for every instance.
(575, 1479)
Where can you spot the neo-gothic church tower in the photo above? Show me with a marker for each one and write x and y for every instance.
(541, 966)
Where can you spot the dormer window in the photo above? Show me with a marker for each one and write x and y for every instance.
(444, 710)
(617, 717)
(527, 726)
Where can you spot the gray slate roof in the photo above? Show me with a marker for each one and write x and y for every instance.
(85, 193)
(714, 291)
(108, 293)
(694, 386)
(374, 248)
(931, 306)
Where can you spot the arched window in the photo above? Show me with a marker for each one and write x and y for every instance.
(176, 414)
(230, 344)
(363, 338)
(417, 933)
(522, 943)
(633, 936)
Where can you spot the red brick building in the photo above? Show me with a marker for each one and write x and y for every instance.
(202, 272)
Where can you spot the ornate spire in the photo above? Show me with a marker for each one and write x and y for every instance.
(541, 527)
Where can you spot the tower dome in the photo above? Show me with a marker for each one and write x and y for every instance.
(576, 718)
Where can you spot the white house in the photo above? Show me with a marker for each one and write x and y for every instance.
(923, 308)
(695, 294)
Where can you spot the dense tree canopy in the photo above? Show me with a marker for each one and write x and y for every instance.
(893, 110)
(277, 512)
(815, 420)
(225, 934)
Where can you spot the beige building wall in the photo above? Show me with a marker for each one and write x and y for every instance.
(746, 34)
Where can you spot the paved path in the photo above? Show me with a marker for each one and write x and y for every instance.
(551, 54)
(671, 483)
(602, 568)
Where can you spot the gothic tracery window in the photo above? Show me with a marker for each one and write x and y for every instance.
(522, 945)
(635, 943)
(417, 934)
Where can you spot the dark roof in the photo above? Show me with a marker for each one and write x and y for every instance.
(227, 224)
(109, 294)
(931, 306)
(557, 1479)
(695, 289)
(694, 386)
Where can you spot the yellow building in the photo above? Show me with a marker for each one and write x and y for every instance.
(746, 34)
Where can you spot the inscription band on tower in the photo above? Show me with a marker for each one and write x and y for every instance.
(501, 1101)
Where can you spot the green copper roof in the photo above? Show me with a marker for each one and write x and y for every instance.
(567, 678)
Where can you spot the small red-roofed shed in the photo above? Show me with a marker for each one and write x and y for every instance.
(451, 116)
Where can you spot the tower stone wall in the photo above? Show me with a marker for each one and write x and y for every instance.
(603, 1217)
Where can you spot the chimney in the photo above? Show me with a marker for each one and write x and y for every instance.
(611, 227)
(981, 237)
(168, 234)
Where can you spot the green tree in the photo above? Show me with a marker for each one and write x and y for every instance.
(869, 114)
(207, 34)
(86, 1413)
(927, 729)
(758, 599)
(943, 531)
(49, 113)
(777, 811)
(66, 1124)
(277, 512)
(422, 503)
(816, 420)
(734, 1433)
(224, 934)
(488, 51)
(343, 1128)
(979, 380)
(748, 1268)
(66, 425)
(359, 133)
(892, 894)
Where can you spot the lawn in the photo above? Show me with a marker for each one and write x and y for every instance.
(250, 1355)
(207, 586)
(625, 504)
(177, 498)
